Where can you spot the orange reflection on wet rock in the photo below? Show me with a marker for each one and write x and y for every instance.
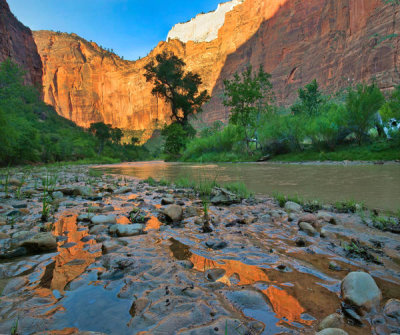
(285, 306)
(72, 260)
(153, 224)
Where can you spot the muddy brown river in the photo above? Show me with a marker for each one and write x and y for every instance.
(377, 186)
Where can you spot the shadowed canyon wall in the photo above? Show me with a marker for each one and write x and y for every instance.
(338, 42)
(16, 42)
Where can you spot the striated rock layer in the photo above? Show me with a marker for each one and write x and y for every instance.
(337, 42)
(16, 42)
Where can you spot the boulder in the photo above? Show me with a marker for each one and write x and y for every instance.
(41, 242)
(173, 213)
(307, 228)
(359, 289)
(103, 219)
(291, 206)
(127, 230)
(331, 321)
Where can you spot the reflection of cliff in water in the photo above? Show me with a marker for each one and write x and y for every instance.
(73, 255)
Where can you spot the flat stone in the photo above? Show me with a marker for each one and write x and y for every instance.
(359, 289)
(4, 236)
(307, 228)
(331, 321)
(103, 219)
(41, 242)
(123, 190)
(127, 230)
(332, 331)
(14, 285)
(95, 230)
(291, 206)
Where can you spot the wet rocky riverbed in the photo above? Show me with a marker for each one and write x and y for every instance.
(113, 255)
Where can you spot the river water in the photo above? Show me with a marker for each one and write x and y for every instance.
(377, 186)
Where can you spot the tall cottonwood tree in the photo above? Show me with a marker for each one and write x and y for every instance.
(177, 87)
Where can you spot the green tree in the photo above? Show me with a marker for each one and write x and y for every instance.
(116, 135)
(102, 132)
(175, 139)
(310, 100)
(250, 97)
(391, 109)
(179, 89)
(362, 105)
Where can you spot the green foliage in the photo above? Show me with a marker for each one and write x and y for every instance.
(179, 89)
(362, 105)
(310, 100)
(32, 131)
(151, 181)
(239, 188)
(249, 95)
(348, 206)
(175, 139)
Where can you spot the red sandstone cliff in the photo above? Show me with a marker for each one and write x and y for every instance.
(337, 42)
(16, 42)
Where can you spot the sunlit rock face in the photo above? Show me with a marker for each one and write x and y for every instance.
(16, 42)
(336, 42)
(204, 27)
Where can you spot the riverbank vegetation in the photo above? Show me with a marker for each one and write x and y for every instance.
(32, 132)
(359, 123)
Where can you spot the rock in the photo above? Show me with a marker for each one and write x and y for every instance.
(186, 264)
(123, 190)
(326, 217)
(292, 217)
(216, 245)
(307, 228)
(392, 309)
(57, 195)
(103, 219)
(173, 213)
(14, 182)
(332, 331)
(14, 285)
(359, 289)
(291, 206)
(190, 211)
(167, 201)
(221, 196)
(4, 236)
(127, 230)
(110, 246)
(85, 217)
(310, 218)
(97, 229)
(332, 321)
(85, 191)
(215, 274)
(41, 242)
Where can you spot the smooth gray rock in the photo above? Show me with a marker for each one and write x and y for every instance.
(167, 201)
(332, 331)
(215, 274)
(173, 213)
(127, 230)
(41, 242)
(123, 190)
(359, 289)
(103, 219)
(291, 206)
(307, 228)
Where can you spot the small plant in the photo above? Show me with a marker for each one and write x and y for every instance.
(46, 198)
(239, 189)
(14, 329)
(151, 181)
(184, 182)
(164, 182)
(6, 181)
(348, 206)
(20, 186)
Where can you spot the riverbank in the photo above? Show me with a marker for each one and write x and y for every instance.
(87, 251)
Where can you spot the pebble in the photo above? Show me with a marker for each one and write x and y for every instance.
(307, 228)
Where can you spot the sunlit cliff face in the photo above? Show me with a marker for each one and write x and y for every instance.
(296, 42)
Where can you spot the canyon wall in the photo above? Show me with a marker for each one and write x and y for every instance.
(338, 42)
(16, 42)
